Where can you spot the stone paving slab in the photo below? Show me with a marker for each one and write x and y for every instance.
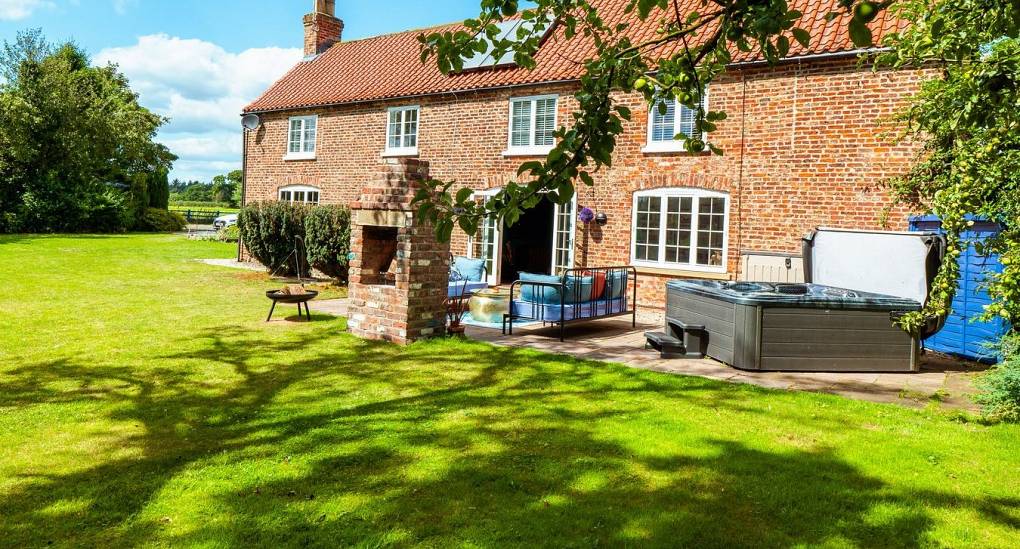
(614, 340)
(234, 264)
(335, 307)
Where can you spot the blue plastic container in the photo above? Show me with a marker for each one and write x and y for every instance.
(963, 335)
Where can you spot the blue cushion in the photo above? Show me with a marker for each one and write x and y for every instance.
(540, 294)
(579, 288)
(464, 288)
(470, 269)
(455, 276)
(616, 284)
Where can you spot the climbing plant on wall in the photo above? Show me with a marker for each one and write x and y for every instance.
(969, 123)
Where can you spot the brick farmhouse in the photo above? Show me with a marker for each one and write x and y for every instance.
(806, 143)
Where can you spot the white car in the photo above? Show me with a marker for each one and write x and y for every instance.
(224, 221)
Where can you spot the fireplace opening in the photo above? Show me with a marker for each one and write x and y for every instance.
(379, 256)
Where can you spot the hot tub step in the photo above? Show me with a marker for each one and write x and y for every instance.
(667, 345)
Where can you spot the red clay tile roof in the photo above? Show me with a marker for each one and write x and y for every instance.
(390, 66)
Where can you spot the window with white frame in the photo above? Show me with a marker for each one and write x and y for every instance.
(299, 194)
(669, 119)
(301, 137)
(680, 229)
(402, 131)
(532, 124)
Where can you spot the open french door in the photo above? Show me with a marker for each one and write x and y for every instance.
(490, 246)
(563, 236)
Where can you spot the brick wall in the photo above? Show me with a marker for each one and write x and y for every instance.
(805, 145)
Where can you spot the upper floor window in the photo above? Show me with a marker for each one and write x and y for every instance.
(680, 229)
(301, 137)
(402, 131)
(667, 120)
(299, 194)
(532, 125)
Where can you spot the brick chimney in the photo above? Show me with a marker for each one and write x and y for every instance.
(322, 28)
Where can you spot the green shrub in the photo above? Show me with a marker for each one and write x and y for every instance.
(155, 220)
(999, 388)
(328, 239)
(101, 212)
(229, 234)
(268, 230)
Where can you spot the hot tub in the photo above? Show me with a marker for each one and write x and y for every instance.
(794, 327)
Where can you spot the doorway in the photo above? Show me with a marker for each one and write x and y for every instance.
(541, 242)
(527, 246)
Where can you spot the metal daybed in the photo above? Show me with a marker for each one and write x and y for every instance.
(579, 295)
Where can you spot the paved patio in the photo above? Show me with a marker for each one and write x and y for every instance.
(614, 340)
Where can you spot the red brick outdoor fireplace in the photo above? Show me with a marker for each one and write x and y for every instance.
(399, 272)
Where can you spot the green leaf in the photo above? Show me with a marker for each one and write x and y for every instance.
(802, 36)
(464, 194)
(532, 166)
(444, 229)
(555, 155)
(860, 33)
(783, 46)
(587, 179)
(467, 224)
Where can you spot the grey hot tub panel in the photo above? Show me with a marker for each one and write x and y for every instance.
(834, 341)
(758, 329)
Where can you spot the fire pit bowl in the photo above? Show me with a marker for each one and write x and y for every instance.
(277, 296)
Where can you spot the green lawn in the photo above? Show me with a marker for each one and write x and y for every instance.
(144, 401)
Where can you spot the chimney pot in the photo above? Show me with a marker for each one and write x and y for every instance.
(322, 28)
(326, 7)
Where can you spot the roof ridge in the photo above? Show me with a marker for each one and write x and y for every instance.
(400, 33)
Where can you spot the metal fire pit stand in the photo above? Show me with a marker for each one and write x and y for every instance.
(276, 297)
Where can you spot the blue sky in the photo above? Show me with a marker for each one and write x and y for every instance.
(199, 61)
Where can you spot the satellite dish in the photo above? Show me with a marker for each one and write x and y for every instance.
(251, 122)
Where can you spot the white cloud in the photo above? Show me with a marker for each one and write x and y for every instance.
(13, 10)
(202, 88)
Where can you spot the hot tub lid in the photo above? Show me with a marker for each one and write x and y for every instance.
(814, 296)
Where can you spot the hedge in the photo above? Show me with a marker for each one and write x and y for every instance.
(328, 239)
(268, 231)
(155, 220)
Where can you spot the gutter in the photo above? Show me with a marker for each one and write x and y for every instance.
(414, 96)
(813, 57)
(737, 65)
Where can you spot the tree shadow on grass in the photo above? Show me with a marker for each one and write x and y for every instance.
(437, 443)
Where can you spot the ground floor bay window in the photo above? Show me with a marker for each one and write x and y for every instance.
(682, 229)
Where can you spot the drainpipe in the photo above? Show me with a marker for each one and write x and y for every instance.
(244, 180)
